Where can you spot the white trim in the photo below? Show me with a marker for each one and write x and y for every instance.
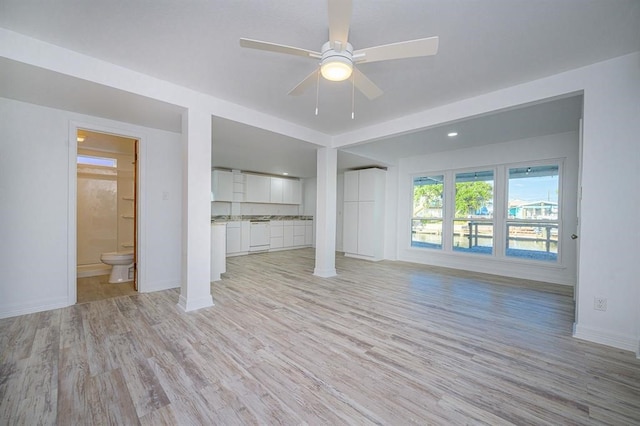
(127, 132)
(604, 337)
(72, 220)
(33, 307)
(192, 305)
(325, 273)
(160, 285)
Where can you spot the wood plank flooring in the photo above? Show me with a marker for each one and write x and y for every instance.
(382, 343)
(98, 287)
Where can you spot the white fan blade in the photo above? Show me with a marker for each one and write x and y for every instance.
(403, 49)
(280, 48)
(304, 84)
(339, 21)
(366, 86)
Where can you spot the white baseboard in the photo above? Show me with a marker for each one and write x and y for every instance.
(157, 286)
(194, 304)
(362, 257)
(605, 337)
(325, 273)
(40, 306)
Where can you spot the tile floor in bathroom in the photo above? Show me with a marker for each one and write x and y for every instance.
(98, 288)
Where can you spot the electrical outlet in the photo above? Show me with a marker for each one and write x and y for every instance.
(599, 303)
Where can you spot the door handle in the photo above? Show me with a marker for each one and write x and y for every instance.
(574, 237)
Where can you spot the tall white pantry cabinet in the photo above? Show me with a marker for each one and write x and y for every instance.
(363, 214)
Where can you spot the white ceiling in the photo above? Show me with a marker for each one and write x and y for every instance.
(484, 46)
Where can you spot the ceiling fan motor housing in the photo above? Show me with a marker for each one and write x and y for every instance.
(336, 65)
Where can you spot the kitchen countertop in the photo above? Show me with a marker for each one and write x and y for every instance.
(258, 217)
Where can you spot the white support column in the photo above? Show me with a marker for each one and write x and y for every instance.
(326, 213)
(195, 292)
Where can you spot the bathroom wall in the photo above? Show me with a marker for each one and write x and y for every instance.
(35, 171)
(105, 202)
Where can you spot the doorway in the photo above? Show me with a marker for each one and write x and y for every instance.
(106, 215)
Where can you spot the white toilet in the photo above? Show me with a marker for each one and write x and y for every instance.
(121, 262)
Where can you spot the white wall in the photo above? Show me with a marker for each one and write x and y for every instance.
(609, 232)
(35, 168)
(562, 146)
(610, 173)
(33, 201)
(610, 176)
(160, 198)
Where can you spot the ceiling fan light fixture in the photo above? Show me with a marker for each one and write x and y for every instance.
(336, 68)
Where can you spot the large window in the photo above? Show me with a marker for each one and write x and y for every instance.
(532, 224)
(426, 223)
(473, 221)
(453, 211)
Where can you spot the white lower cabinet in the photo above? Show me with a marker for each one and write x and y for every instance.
(237, 238)
(308, 233)
(245, 236)
(277, 234)
(287, 234)
(367, 237)
(234, 238)
(350, 227)
(299, 229)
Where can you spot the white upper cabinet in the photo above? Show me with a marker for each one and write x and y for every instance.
(292, 191)
(286, 191)
(371, 184)
(351, 186)
(222, 185)
(253, 188)
(277, 189)
(257, 189)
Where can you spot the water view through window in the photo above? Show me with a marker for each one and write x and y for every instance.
(473, 223)
(532, 224)
(426, 224)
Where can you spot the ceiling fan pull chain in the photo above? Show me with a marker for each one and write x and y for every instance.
(353, 96)
(317, 90)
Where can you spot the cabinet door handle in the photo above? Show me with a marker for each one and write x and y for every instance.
(574, 237)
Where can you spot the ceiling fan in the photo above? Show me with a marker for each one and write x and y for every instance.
(337, 57)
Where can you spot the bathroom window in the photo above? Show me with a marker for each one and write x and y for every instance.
(90, 160)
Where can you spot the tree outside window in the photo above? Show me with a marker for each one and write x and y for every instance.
(426, 226)
(473, 222)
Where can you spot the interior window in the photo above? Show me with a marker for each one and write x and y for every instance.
(426, 223)
(532, 224)
(90, 160)
(473, 221)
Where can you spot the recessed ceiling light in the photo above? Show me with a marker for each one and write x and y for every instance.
(452, 134)
(285, 174)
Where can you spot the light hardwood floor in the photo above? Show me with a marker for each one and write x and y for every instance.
(381, 343)
(98, 287)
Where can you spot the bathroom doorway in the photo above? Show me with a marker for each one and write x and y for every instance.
(106, 230)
